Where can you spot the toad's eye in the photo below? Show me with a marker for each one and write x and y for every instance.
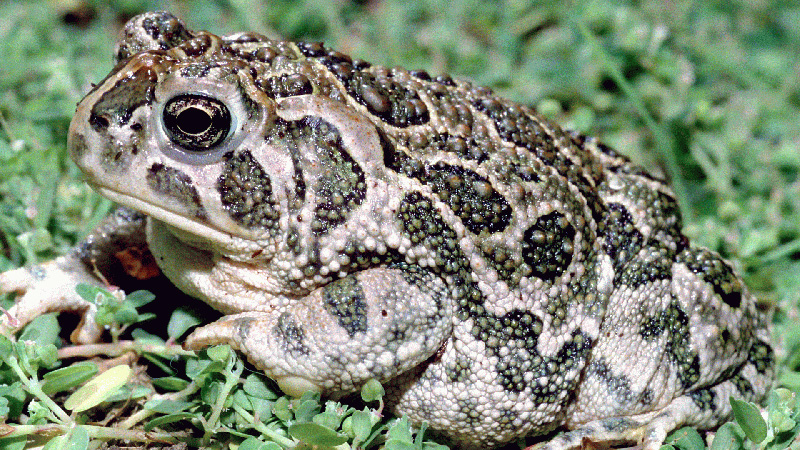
(196, 122)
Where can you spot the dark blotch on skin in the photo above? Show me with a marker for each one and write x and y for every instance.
(78, 147)
(344, 299)
(716, 272)
(292, 334)
(654, 264)
(761, 357)
(287, 134)
(675, 322)
(342, 186)
(337, 179)
(471, 196)
(286, 85)
(423, 225)
(116, 105)
(743, 385)
(621, 240)
(163, 30)
(547, 245)
(382, 96)
(619, 386)
(246, 192)
(177, 185)
(705, 399)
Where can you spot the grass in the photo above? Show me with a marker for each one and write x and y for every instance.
(707, 93)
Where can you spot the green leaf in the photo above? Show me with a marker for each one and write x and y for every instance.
(372, 391)
(170, 383)
(92, 294)
(362, 424)
(6, 347)
(36, 240)
(210, 391)
(252, 443)
(262, 409)
(165, 406)
(749, 418)
(140, 298)
(13, 443)
(68, 377)
(305, 410)
(195, 368)
(726, 438)
(434, 446)
(420, 434)
(78, 439)
(57, 443)
(686, 438)
(315, 434)
(164, 420)
(398, 444)
(43, 330)
(38, 413)
(241, 399)
(332, 416)
(129, 392)
(145, 316)
(15, 398)
(281, 409)
(181, 320)
(125, 314)
(256, 386)
(47, 355)
(144, 337)
(400, 430)
(98, 389)
(219, 353)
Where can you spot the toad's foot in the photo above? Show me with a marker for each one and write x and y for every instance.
(50, 287)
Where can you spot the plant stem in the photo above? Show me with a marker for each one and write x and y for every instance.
(97, 432)
(143, 414)
(263, 429)
(121, 347)
(32, 385)
(231, 378)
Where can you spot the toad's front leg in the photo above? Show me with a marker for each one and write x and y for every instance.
(372, 324)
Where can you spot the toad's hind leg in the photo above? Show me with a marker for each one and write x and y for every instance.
(704, 408)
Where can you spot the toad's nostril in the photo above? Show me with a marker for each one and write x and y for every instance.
(98, 123)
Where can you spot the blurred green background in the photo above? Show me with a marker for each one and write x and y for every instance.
(706, 93)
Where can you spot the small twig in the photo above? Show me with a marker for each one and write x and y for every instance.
(95, 432)
(126, 358)
(118, 348)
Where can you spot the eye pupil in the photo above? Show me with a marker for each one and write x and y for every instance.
(196, 122)
(193, 120)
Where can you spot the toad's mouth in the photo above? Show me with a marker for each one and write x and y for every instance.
(191, 227)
